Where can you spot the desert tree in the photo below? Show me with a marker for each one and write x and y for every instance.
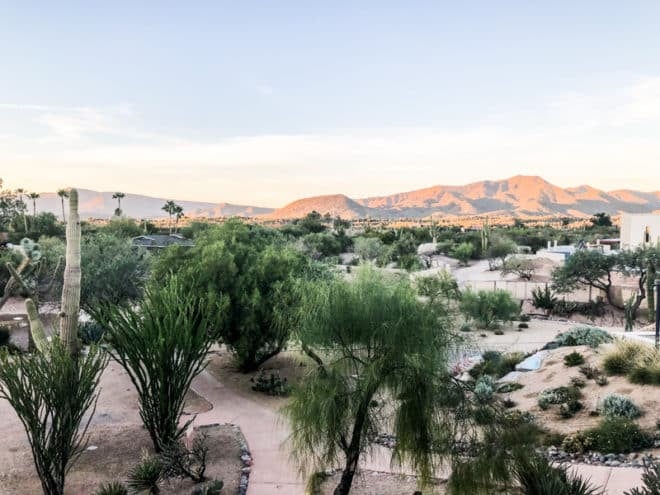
(372, 341)
(162, 344)
(118, 196)
(489, 307)
(253, 267)
(589, 269)
(463, 252)
(523, 267)
(499, 249)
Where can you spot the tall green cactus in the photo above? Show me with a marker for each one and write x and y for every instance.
(70, 307)
(485, 235)
(650, 291)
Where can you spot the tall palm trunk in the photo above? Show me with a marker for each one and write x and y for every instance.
(34, 207)
(63, 216)
(70, 308)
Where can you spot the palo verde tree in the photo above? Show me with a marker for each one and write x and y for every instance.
(162, 345)
(372, 342)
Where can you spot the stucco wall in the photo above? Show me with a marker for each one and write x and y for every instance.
(634, 227)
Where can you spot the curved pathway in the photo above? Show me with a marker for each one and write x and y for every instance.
(272, 473)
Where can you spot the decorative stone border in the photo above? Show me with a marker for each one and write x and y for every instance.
(636, 460)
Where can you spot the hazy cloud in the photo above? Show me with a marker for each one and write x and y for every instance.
(603, 137)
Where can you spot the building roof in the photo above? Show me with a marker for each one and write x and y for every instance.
(161, 240)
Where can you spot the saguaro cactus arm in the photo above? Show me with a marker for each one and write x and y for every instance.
(36, 326)
(70, 307)
(14, 278)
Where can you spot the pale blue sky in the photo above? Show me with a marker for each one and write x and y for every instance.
(265, 102)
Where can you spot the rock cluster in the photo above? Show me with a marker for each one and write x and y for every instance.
(613, 460)
(558, 455)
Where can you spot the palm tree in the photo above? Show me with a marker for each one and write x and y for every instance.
(63, 193)
(34, 197)
(20, 193)
(178, 215)
(170, 208)
(118, 196)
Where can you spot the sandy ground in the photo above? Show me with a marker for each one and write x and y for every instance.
(376, 483)
(119, 437)
(288, 364)
(554, 373)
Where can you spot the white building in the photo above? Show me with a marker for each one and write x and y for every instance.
(639, 229)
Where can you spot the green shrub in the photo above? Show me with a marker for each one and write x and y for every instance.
(601, 380)
(583, 335)
(524, 318)
(90, 332)
(484, 389)
(569, 409)
(498, 331)
(507, 388)
(112, 488)
(591, 308)
(523, 325)
(213, 487)
(147, 474)
(271, 385)
(496, 364)
(619, 406)
(179, 461)
(645, 375)
(488, 308)
(544, 299)
(651, 480)
(559, 395)
(625, 355)
(573, 359)
(590, 372)
(618, 435)
(576, 443)
(465, 328)
(578, 382)
(537, 476)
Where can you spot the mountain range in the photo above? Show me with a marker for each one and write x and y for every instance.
(521, 196)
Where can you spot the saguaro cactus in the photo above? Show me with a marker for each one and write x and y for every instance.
(71, 289)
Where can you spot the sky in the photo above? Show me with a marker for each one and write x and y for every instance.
(265, 102)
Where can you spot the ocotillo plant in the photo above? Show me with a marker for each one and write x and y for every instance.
(70, 307)
(485, 235)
